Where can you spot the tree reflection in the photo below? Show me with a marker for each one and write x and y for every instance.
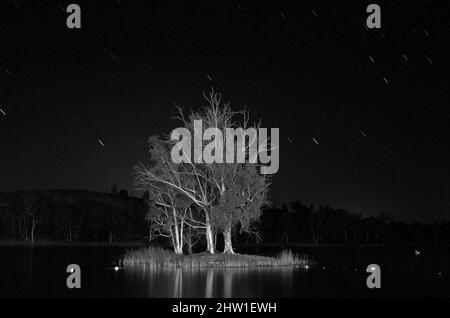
(208, 282)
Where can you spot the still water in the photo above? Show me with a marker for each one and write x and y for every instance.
(41, 272)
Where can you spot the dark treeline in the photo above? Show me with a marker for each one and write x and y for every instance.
(84, 216)
(298, 223)
(67, 215)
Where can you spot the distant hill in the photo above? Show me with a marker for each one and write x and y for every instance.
(59, 195)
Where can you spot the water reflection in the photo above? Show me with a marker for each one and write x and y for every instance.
(41, 272)
(209, 282)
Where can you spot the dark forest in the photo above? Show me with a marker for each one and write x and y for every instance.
(114, 217)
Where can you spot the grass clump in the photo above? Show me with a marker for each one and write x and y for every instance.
(159, 257)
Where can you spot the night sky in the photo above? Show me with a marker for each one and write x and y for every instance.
(363, 113)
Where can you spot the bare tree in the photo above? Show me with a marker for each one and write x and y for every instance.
(239, 189)
(168, 182)
(228, 193)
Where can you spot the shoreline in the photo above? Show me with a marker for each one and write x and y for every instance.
(132, 244)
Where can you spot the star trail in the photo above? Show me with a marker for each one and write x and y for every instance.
(77, 105)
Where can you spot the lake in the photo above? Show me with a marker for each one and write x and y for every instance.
(337, 271)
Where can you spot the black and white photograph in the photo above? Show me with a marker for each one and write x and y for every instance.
(225, 155)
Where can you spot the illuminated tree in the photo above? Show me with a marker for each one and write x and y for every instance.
(173, 188)
(228, 193)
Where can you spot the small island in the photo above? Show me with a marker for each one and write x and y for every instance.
(159, 257)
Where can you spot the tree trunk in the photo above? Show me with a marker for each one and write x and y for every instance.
(177, 234)
(33, 225)
(189, 236)
(172, 237)
(78, 229)
(215, 240)
(209, 235)
(181, 242)
(228, 248)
